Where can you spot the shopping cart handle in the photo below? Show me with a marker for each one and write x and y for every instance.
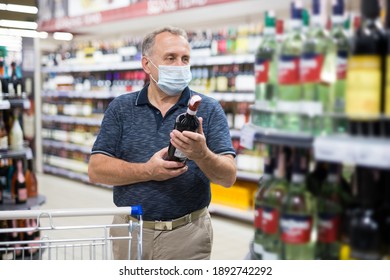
(136, 210)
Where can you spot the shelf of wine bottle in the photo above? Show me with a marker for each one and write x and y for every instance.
(134, 65)
(95, 121)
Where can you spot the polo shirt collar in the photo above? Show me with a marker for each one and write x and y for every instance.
(142, 98)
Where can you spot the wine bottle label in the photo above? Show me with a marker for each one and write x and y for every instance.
(289, 67)
(179, 154)
(363, 89)
(258, 217)
(311, 66)
(22, 194)
(270, 220)
(342, 60)
(328, 227)
(387, 97)
(4, 142)
(296, 229)
(261, 70)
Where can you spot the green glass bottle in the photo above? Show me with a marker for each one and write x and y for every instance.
(341, 39)
(318, 74)
(330, 209)
(289, 88)
(271, 206)
(298, 213)
(265, 70)
(264, 183)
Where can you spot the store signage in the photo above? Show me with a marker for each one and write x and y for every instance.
(140, 9)
(164, 6)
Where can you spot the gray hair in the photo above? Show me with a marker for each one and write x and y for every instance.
(149, 39)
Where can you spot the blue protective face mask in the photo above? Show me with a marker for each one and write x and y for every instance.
(172, 79)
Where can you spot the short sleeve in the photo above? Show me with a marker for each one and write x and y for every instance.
(110, 132)
(218, 135)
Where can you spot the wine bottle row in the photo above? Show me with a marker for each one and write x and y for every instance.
(241, 39)
(320, 212)
(17, 181)
(319, 79)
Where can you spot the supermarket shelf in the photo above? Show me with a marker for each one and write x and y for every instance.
(30, 204)
(70, 175)
(233, 96)
(22, 153)
(362, 151)
(15, 103)
(94, 121)
(65, 173)
(93, 67)
(251, 133)
(231, 212)
(93, 94)
(135, 65)
(66, 163)
(67, 146)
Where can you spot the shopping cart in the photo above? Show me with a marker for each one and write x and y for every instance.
(65, 234)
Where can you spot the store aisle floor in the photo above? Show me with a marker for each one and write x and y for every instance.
(231, 237)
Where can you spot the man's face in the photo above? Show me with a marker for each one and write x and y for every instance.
(170, 50)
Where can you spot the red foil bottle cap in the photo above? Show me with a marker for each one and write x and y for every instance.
(194, 103)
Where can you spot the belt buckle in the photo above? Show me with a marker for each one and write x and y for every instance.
(161, 225)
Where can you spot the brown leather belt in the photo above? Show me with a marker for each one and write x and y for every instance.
(175, 223)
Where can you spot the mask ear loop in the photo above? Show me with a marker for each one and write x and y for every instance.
(151, 74)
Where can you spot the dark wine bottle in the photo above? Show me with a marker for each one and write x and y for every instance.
(20, 184)
(185, 122)
(364, 96)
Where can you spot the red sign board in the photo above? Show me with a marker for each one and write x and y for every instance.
(140, 9)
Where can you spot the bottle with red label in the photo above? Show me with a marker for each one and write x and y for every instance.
(298, 213)
(318, 72)
(289, 87)
(271, 206)
(342, 41)
(330, 207)
(264, 184)
(265, 64)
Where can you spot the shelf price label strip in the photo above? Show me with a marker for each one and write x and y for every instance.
(357, 151)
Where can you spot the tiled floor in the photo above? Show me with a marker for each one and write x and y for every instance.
(231, 237)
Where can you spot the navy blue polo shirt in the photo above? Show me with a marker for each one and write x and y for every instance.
(134, 130)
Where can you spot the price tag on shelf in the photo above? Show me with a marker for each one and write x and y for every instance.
(335, 150)
(373, 153)
(247, 136)
(4, 105)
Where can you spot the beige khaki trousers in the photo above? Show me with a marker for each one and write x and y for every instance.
(192, 241)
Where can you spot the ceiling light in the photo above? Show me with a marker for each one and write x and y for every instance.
(18, 24)
(23, 33)
(64, 36)
(19, 8)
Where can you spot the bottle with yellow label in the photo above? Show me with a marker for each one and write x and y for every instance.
(365, 74)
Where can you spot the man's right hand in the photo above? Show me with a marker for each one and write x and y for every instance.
(161, 169)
